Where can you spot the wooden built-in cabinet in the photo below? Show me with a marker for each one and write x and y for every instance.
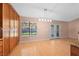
(74, 50)
(1, 34)
(9, 28)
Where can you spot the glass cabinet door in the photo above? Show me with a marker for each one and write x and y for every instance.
(12, 28)
(6, 28)
(16, 28)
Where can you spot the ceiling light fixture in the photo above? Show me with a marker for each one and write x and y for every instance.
(45, 20)
(45, 15)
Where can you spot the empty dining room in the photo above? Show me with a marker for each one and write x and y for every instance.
(39, 29)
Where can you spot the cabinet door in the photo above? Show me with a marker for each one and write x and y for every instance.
(6, 28)
(12, 34)
(16, 29)
(74, 50)
(13, 28)
(1, 20)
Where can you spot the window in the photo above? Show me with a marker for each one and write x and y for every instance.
(29, 28)
(55, 31)
(33, 29)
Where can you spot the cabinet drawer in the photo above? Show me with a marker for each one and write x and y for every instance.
(1, 53)
(1, 43)
(1, 49)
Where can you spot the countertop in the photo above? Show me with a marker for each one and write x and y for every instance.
(69, 41)
(74, 42)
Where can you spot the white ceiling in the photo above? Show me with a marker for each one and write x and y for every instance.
(56, 11)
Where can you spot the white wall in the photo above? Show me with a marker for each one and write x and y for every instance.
(43, 29)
